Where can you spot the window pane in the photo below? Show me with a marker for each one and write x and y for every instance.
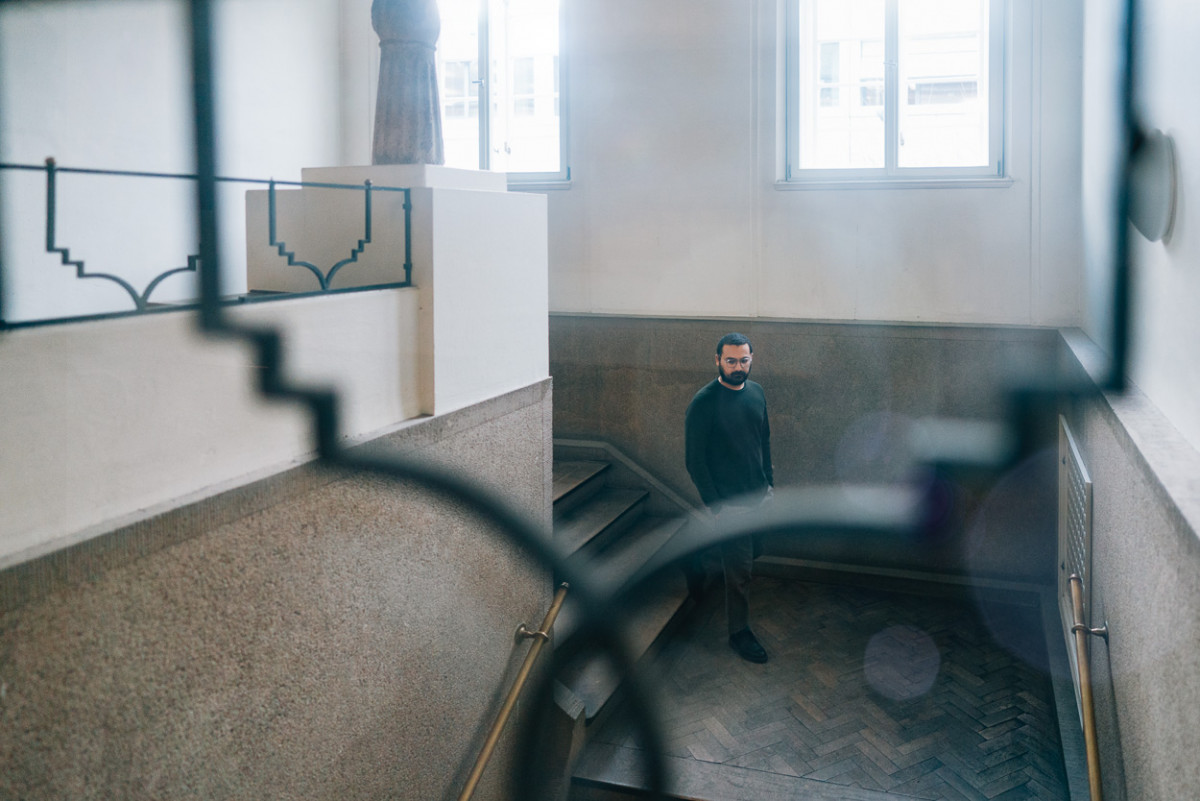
(459, 96)
(943, 83)
(841, 89)
(523, 38)
(458, 68)
(830, 70)
(870, 78)
(521, 78)
(522, 86)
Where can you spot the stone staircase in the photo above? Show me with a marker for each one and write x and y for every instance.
(610, 524)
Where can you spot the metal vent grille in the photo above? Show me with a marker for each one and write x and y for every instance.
(1074, 537)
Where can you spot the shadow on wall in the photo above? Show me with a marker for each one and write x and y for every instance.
(841, 399)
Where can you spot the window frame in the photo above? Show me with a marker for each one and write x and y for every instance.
(523, 180)
(892, 175)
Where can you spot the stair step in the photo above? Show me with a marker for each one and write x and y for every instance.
(609, 772)
(650, 613)
(575, 481)
(601, 520)
(634, 549)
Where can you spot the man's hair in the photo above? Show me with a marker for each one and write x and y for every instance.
(737, 340)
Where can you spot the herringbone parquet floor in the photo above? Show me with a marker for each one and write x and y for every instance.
(870, 689)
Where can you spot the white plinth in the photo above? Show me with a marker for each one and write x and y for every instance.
(479, 263)
(433, 176)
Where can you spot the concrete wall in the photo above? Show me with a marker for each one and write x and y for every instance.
(1146, 588)
(315, 635)
(841, 398)
(673, 208)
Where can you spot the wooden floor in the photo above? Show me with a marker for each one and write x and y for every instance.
(868, 694)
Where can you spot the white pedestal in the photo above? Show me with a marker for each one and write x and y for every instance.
(479, 263)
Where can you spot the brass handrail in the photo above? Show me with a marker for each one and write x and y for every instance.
(540, 638)
(1081, 632)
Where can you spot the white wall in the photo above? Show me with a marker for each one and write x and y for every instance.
(359, 81)
(673, 208)
(107, 85)
(109, 421)
(1166, 328)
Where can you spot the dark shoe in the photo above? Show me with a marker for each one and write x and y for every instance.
(747, 646)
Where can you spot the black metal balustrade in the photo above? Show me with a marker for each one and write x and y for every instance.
(141, 299)
(325, 278)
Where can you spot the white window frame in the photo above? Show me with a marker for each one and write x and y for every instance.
(525, 180)
(891, 175)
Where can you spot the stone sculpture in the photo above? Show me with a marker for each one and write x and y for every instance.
(408, 114)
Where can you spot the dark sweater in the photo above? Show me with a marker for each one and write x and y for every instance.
(728, 442)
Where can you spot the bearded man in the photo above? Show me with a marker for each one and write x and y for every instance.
(728, 453)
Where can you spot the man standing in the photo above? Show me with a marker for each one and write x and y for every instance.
(728, 451)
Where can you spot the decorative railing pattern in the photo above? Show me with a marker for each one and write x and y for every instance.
(141, 299)
(322, 277)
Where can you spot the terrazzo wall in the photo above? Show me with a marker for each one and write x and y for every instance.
(1145, 587)
(842, 398)
(318, 636)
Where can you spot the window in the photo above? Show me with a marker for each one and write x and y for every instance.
(459, 98)
(523, 96)
(505, 53)
(894, 89)
(830, 69)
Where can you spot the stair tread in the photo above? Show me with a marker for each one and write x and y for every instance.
(571, 474)
(580, 526)
(636, 546)
(621, 767)
(595, 681)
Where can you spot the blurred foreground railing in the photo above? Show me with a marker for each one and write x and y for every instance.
(601, 630)
(896, 511)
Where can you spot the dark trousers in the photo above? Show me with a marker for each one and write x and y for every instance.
(737, 560)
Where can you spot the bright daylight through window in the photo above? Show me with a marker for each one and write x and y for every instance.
(882, 89)
(498, 65)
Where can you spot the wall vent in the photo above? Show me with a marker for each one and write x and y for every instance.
(1074, 539)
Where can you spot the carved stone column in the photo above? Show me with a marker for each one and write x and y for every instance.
(408, 113)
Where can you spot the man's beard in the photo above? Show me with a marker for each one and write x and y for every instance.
(735, 378)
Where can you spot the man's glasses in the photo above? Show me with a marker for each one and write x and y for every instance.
(730, 361)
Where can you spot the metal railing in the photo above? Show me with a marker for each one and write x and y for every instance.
(141, 298)
(540, 638)
(1082, 631)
